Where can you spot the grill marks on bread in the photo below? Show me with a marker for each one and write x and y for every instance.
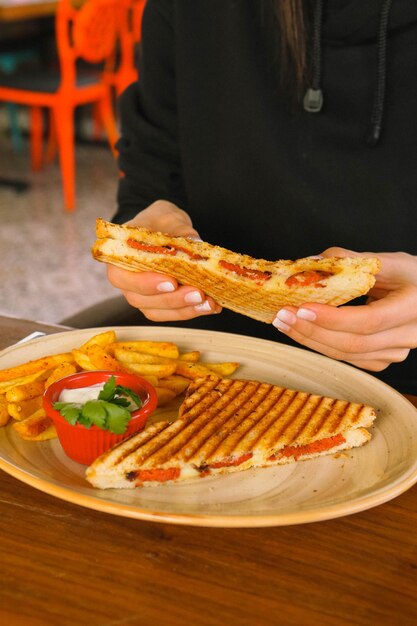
(248, 415)
(227, 425)
(257, 288)
(224, 418)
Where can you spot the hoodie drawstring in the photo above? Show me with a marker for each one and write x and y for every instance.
(313, 99)
(379, 96)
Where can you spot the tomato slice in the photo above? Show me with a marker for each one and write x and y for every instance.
(232, 461)
(171, 250)
(192, 255)
(311, 448)
(245, 271)
(146, 247)
(159, 475)
(307, 278)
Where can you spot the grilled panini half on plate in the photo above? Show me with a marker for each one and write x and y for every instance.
(252, 287)
(227, 425)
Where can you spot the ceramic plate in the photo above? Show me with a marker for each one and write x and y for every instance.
(296, 493)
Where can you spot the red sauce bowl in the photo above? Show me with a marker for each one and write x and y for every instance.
(83, 444)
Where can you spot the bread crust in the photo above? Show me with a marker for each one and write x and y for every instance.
(228, 425)
(254, 287)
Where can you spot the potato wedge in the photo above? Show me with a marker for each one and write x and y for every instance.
(6, 386)
(21, 410)
(131, 356)
(4, 413)
(101, 360)
(34, 367)
(103, 339)
(191, 370)
(37, 427)
(222, 369)
(164, 395)
(153, 380)
(151, 369)
(165, 349)
(83, 360)
(25, 391)
(63, 369)
(178, 384)
(190, 357)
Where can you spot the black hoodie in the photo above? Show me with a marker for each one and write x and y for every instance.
(212, 127)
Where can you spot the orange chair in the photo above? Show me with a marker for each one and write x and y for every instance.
(86, 34)
(130, 23)
(125, 69)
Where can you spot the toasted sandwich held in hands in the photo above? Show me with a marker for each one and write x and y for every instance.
(252, 287)
(226, 425)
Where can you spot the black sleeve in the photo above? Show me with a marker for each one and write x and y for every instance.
(149, 158)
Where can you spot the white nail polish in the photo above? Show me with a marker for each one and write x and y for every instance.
(193, 297)
(306, 314)
(205, 306)
(286, 316)
(280, 325)
(165, 287)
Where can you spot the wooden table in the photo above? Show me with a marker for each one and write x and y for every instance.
(18, 10)
(12, 11)
(63, 564)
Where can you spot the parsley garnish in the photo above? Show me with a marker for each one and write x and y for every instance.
(111, 411)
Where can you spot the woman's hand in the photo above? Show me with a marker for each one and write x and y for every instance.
(371, 336)
(165, 217)
(158, 296)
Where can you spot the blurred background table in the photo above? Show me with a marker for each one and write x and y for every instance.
(13, 13)
(13, 10)
(41, 59)
(64, 564)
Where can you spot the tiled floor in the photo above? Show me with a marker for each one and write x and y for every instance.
(46, 271)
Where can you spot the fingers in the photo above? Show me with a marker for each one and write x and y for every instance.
(373, 351)
(380, 361)
(403, 336)
(181, 304)
(159, 297)
(146, 283)
(165, 217)
(396, 309)
(398, 268)
(371, 336)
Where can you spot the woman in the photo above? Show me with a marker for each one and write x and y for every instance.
(281, 129)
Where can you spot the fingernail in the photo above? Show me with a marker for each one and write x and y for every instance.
(315, 256)
(193, 238)
(193, 297)
(306, 314)
(286, 316)
(280, 325)
(205, 306)
(165, 287)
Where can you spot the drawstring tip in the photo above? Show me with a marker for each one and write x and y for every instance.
(313, 100)
(374, 135)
